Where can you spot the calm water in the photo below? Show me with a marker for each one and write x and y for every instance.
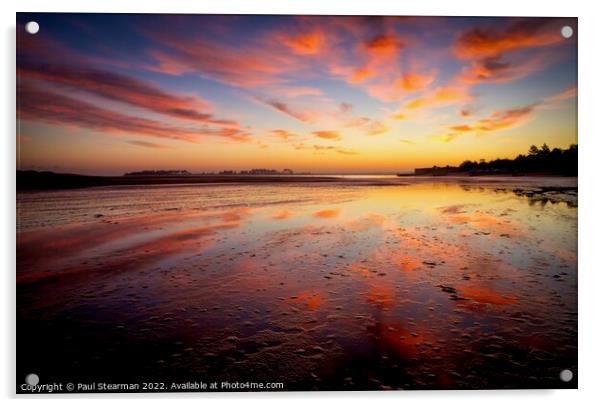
(374, 284)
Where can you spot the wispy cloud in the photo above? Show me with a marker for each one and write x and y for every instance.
(304, 43)
(414, 81)
(567, 94)
(498, 120)
(327, 134)
(296, 91)
(440, 97)
(299, 114)
(179, 54)
(125, 89)
(46, 106)
(498, 70)
(284, 134)
(146, 144)
(367, 125)
(445, 138)
(323, 148)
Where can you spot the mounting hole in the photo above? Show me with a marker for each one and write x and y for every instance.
(566, 31)
(32, 27)
(32, 379)
(566, 375)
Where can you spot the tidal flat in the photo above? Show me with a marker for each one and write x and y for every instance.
(358, 284)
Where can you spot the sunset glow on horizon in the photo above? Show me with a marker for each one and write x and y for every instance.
(109, 94)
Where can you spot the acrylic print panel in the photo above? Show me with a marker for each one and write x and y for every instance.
(276, 203)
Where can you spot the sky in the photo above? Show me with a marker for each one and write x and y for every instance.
(107, 94)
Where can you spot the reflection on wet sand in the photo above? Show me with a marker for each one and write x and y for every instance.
(361, 287)
(327, 213)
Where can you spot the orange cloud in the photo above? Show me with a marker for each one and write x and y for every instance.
(346, 152)
(283, 134)
(522, 34)
(461, 127)
(352, 52)
(382, 78)
(383, 45)
(327, 134)
(361, 74)
(367, 125)
(309, 43)
(499, 120)
(495, 70)
(412, 82)
(505, 119)
(446, 138)
(374, 65)
(234, 134)
(440, 97)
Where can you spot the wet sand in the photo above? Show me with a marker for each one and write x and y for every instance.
(377, 284)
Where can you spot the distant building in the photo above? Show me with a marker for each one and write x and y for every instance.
(156, 173)
(257, 171)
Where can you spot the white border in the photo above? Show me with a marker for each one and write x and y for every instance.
(590, 160)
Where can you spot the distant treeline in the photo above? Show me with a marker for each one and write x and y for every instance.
(537, 160)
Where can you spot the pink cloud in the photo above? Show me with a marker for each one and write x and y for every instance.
(567, 94)
(125, 89)
(41, 105)
(498, 120)
(260, 65)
